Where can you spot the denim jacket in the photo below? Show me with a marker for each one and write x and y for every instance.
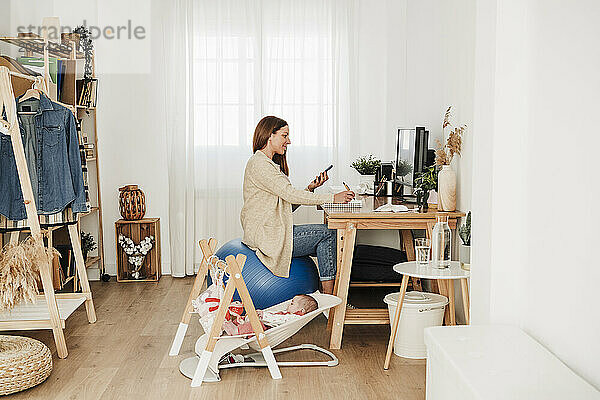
(59, 172)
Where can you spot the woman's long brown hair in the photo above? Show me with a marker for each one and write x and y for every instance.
(265, 128)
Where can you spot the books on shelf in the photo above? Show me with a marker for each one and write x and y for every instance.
(88, 93)
(60, 77)
(88, 148)
(63, 267)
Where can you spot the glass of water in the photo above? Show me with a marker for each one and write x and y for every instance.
(422, 247)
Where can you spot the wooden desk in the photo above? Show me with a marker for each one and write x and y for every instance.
(346, 223)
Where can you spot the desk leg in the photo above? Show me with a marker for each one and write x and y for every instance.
(452, 305)
(342, 286)
(340, 249)
(394, 327)
(465, 297)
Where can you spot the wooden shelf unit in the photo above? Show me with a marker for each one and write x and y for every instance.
(36, 45)
(91, 261)
(69, 96)
(137, 230)
(51, 310)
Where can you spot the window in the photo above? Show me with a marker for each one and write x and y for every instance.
(224, 104)
(244, 70)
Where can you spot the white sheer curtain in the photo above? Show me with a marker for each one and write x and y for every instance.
(242, 60)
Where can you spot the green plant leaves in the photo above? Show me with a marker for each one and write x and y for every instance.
(428, 179)
(366, 165)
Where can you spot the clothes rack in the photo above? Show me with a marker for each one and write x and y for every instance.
(86, 117)
(52, 309)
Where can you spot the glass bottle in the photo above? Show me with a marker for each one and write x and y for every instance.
(441, 242)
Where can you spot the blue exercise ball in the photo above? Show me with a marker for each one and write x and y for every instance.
(265, 288)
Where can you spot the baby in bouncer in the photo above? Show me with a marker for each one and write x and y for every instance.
(300, 305)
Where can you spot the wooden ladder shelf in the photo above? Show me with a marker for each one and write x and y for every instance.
(53, 309)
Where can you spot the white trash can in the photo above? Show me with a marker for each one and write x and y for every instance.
(419, 311)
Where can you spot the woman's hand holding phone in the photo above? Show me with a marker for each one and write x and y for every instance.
(319, 180)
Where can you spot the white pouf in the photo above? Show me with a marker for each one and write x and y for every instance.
(420, 310)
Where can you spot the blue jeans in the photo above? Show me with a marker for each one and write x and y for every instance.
(317, 240)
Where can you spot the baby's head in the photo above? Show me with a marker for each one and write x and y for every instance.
(302, 304)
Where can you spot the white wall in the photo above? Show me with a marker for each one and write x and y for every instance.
(415, 59)
(131, 121)
(131, 139)
(458, 66)
(406, 77)
(536, 94)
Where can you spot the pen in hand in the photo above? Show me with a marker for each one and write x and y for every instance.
(348, 189)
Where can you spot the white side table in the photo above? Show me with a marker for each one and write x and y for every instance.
(412, 269)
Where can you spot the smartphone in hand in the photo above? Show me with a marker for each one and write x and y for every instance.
(324, 172)
(318, 181)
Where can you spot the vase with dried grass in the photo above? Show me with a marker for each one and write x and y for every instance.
(443, 158)
(19, 271)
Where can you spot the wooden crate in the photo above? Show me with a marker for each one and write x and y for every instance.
(137, 231)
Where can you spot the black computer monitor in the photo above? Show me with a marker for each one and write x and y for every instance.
(411, 153)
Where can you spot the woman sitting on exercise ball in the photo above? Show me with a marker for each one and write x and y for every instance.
(267, 212)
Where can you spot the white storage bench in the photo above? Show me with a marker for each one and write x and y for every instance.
(496, 362)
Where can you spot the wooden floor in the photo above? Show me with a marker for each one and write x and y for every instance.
(124, 356)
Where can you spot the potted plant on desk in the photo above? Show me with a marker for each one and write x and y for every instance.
(366, 166)
(424, 183)
(465, 248)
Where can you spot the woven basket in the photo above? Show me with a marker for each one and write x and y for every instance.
(24, 363)
(132, 203)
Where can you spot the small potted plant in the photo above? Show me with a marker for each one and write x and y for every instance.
(87, 244)
(367, 167)
(465, 248)
(424, 183)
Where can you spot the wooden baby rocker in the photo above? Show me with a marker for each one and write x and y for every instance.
(234, 270)
(209, 348)
(208, 250)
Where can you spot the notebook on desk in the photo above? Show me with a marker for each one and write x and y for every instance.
(351, 205)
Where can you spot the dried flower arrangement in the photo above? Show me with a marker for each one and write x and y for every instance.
(19, 271)
(136, 252)
(445, 153)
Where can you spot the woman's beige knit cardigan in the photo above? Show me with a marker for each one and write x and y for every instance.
(267, 212)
